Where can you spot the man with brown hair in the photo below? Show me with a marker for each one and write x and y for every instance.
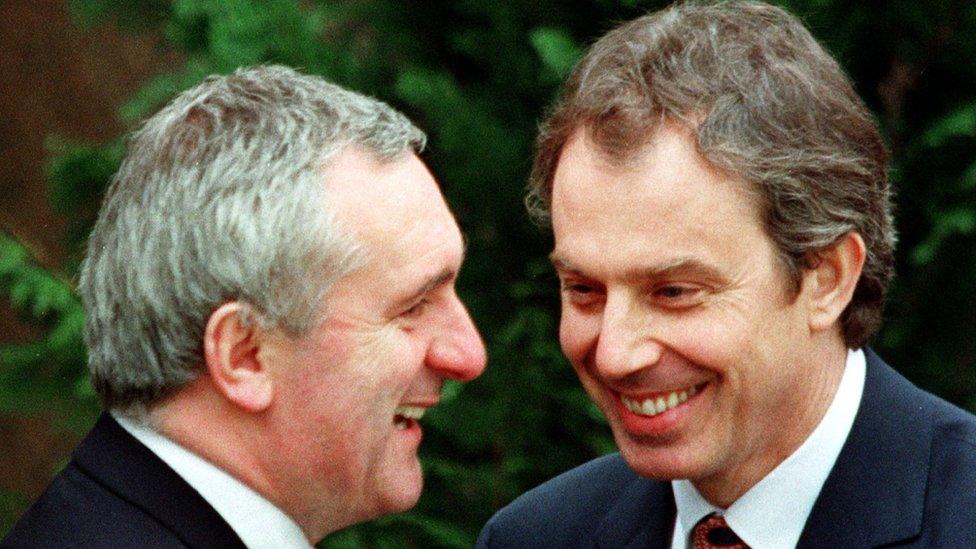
(719, 200)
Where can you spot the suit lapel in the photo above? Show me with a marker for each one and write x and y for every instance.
(875, 493)
(115, 459)
(643, 517)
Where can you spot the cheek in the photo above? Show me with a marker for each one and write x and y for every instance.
(577, 334)
(343, 384)
(378, 360)
(720, 341)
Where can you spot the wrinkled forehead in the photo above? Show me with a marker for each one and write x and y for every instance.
(650, 153)
(383, 202)
(667, 190)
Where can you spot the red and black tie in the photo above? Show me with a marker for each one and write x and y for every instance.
(712, 532)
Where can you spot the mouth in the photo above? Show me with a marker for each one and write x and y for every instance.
(407, 416)
(658, 403)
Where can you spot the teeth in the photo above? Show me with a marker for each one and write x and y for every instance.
(410, 412)
(659, 404)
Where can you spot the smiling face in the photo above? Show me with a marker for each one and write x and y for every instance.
(679, 319)
(349, 392)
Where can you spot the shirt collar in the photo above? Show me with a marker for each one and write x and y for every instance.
(257, 521)
(773, 512)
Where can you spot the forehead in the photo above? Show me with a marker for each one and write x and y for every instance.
(383, 202)
(372, 195)
(395, 210)
(665, 201)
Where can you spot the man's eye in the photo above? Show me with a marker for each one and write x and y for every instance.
(577, 288)
(573, 288)
(416, 310)
(579, 294)
(676, 295)
(671, 291)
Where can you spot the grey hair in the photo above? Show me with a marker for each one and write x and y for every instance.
(766, 103)
(221, 197)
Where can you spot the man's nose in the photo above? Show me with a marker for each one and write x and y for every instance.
(456, 351)
(625, 344)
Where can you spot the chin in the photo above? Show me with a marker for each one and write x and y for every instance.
(655, 461)
(402, 492)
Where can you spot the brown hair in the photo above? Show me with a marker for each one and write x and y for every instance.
(766, 103)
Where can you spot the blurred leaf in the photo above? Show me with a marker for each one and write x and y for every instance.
(958, 221)
(80, 171)
(11, 504)
(961, 122)
(968, 180)
(557, 50)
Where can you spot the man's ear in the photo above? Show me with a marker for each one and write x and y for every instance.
(231, 342)
(831, 279)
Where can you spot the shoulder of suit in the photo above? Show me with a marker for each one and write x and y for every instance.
(954, 450)
(949, 518)
(953, 422)
(565, 509)
(76, 511)
(599, 480)
(954, 429)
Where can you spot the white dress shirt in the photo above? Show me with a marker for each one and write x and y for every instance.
(257, 521)
(771, 515)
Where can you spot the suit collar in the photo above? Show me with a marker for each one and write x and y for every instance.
(875, 493)
(115, 459)
(643, 516)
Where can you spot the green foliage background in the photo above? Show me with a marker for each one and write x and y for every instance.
(477, 75)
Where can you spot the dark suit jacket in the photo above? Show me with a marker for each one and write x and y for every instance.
(116, 493)
(906, 476)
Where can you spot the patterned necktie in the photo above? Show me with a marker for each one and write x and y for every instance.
(712, 532)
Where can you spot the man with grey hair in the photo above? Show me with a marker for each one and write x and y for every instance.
(719, 201)
(270, 302)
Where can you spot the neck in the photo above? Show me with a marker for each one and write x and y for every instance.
(242, 444)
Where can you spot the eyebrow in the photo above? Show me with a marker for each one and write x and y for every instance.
(436, 280)
(433, 282)
(681, 265)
